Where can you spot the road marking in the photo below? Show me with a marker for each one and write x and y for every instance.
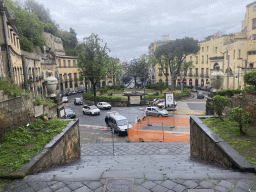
(93, 126)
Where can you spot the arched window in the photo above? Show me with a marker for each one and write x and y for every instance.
(214, 66)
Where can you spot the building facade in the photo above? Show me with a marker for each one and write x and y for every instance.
(28, 70)
(234, 53)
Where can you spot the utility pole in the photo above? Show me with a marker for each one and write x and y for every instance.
(245, 70)
(172, 77)
(228, 72)
(181, 71)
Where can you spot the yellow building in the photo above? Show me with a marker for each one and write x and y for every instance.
(234, 53)
(68, 73)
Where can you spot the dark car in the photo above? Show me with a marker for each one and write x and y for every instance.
(207, 88)
(194, 90)
(70, 114)
(190, 86)
(68, 94)
(80, 91)
(78, 101)
(200, 95)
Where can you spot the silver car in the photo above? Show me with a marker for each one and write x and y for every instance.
(155, 111)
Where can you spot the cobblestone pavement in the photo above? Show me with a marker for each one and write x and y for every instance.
(138, 167)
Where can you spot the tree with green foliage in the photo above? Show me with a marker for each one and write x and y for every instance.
(30, 27)
(240, 116)
(69, 41)
(92, 59)
(135, 70)
(250, 78)
(164, 67)
(176, 52)
(42, 13)
(218, 105)
(114, 69)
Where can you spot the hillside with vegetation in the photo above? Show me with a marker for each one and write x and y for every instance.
(32, 20)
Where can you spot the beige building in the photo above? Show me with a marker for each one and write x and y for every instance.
(29, 70)
(234, 53)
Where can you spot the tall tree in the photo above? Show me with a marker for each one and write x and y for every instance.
(92, 59)
(175, 53)
(114, 68)
(42, 13)
(135, 70)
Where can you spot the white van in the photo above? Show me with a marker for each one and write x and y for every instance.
(118, 123)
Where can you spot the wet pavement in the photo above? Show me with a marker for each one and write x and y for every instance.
(138, 167)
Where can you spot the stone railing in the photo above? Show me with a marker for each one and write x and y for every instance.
(206, 145)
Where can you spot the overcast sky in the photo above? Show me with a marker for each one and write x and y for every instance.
(129, 26)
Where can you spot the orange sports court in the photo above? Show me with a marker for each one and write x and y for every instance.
(165, 129)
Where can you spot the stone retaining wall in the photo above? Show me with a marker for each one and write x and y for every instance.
(63, 148)
(18, 111)
(206, 145)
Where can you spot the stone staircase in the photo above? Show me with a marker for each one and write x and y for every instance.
(140, 167)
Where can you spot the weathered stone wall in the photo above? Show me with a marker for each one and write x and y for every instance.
(207, 146)
(63, 148)
(245, 100)
(18, 111)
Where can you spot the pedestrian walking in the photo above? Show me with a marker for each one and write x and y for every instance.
(106, 121)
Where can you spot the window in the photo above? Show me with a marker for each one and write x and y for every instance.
(64, 61)
(202, 72)
(202, 49)
(190, 58)
(190, 71)
(239, 53)
(216, 50)
(196, 71)
(251, 65)
(207, 48)
(202, 59)
(254, 8)
(254, 24)
(207, 71)
(69, 63)
(74, 63)
(14, 40)
(207, 59)
(59, 62)
(196, 59)
(234, 56)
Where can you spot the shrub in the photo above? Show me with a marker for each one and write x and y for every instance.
(218, 105)
(44, 101)
(102, 98)
(229, 92)
(250, 78)
(249, 88)
(240, 116)
(8, 86)
(252, 112)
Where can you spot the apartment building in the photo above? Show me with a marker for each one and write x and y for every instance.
(234, 53)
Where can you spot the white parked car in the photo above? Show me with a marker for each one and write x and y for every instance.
(155, 111)
(162, 104)
(103, 105)
(91, 110)
(64, 99)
